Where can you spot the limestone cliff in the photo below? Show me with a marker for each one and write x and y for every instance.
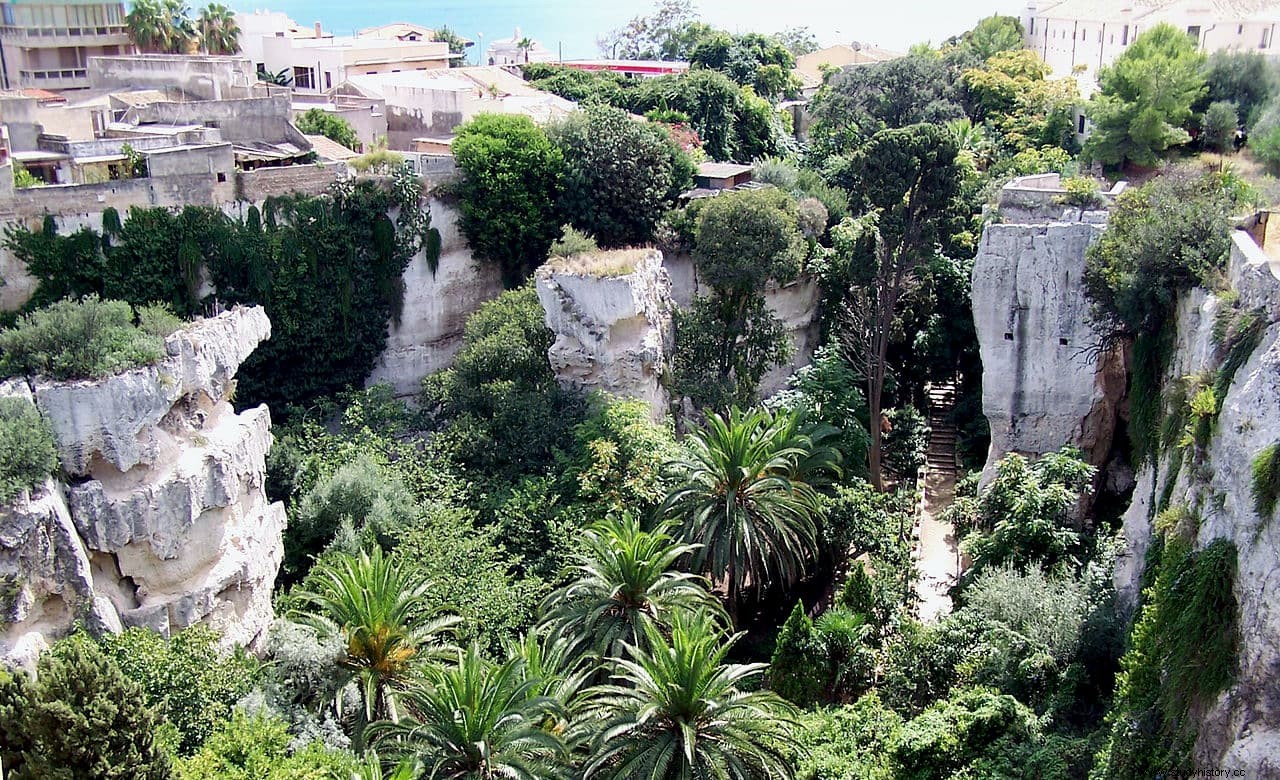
(162, 521)
(1045, 383)
(1241, 730)
(611, 315)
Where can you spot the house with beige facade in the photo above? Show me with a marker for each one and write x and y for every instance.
(1082, 36)
(47, 45)
(316, 61)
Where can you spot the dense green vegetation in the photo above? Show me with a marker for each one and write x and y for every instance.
(326, 269)
(316, 121)
(509, 578)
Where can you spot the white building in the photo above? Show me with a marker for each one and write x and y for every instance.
(317, 61)
(508, 51)
(1082, 36)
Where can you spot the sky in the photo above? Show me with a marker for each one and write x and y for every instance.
(891, 24)
(571, 26)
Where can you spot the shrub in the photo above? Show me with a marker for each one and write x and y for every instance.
(1219, 126)
(906, 442)
(383, 161)
(188, 679)
(361, 499)
(852, 741)
(85, 339)
(573, 242)
(797, 670)
(319, 122)
(1266, 480)
(82, 719)
(27, 451)
(971, 725)
(1135, 272)
(511, 181)
(23, 178)
(1082, 191)
(258, 747)
(621, 175)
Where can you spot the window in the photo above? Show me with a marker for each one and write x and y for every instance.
(1240, 30)
(1124, 36)
(1266, 38)
(304, 78)
(1063, 342)
(1193, 32)
(1080, 124)
(328, 80)
(1033, 22)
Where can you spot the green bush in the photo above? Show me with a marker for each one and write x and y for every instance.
(906, 442)
(1135, 272)
(360, 502)
(797, 670)
(316, 121)
(1219, 126)
(27, 451)
(85, 339)
(572, 242)
(187, 679)
(970, 726)
(1266, 480)
(620, 175)
(853, 741)
(259, 747)
(1182, 653)
(81, 719)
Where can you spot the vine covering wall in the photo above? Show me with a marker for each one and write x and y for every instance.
(327, 270)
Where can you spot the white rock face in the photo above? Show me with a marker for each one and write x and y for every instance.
(436, 308)
(167, 524)
(1241, 730)
(613, 333)
(1044, 384)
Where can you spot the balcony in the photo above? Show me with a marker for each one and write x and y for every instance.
(53, 37)
(56, 78)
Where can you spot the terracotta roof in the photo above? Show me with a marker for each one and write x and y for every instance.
(330, 149)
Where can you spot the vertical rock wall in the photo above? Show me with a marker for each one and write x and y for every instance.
(613, 332)
(1045, 383)
(428, 332)
(163, 521)
(1241, 730)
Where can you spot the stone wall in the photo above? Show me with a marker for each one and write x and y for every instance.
(163, 521)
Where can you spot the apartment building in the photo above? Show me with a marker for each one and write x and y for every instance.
(1082, 36)
(48, 44)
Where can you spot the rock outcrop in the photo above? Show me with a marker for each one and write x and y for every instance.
(164, 521)
(613, 327)
(428, 331)
(1241, 730)
(1045, 382)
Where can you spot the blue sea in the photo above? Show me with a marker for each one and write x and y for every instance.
(570, 27)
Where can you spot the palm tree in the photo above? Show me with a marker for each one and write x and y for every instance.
(219, 33)
(627, 580)
(375, 603)
(748, 498)
(525, 45)
(179, 33)
(147, 25)
(476, 719)
(678, 711)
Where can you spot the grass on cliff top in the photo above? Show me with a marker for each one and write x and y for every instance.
(85, 339)
(611, 263)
